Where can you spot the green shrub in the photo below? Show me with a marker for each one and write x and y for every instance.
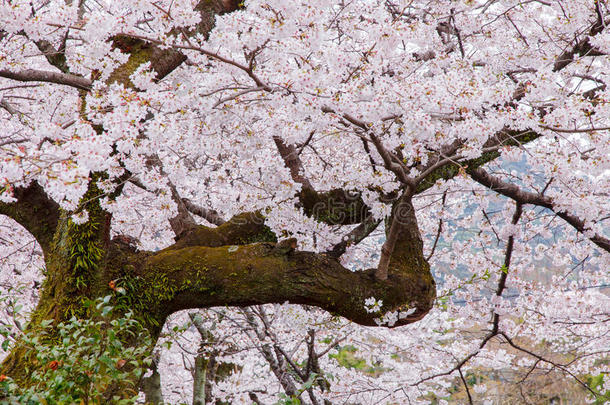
(80, 360)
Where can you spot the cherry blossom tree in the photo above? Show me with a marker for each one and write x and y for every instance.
(429, 181)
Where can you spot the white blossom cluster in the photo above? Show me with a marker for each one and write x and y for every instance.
(423, 75)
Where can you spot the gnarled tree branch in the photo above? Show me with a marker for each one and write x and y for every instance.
(35, 211)
(209, 215)
(247, 227)
(581, 48)
(256, 274)
(293, 162)
(33, 75)
(403, 243)
(55, 57)
(368, 225)
(524, 197)
(442, 164)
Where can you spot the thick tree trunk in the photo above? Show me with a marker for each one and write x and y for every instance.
(77, 259)
(237, 263)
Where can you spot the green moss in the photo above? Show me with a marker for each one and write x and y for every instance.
(139, 52)
(450, 170)
(333, 207)
(74, 260)
(162, 61)
(264, 235)
(144, 295)
(242, 229)
(85, 241)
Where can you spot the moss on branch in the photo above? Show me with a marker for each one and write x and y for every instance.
(163, 61)
(244, 228)
(203, 277)
(452, 169)
(335, 207)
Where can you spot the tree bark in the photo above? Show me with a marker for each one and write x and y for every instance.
(151, 386)
(200, 380)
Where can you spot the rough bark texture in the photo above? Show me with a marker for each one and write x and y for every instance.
(252, 274)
